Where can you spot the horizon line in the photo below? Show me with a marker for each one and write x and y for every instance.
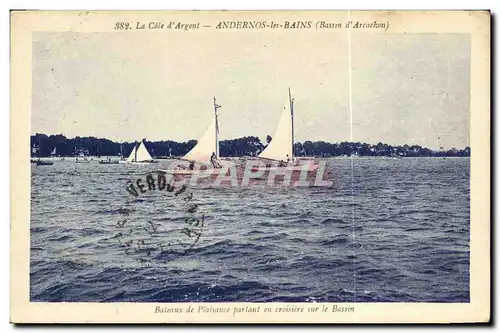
(163, 140)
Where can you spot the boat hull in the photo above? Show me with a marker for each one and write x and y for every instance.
(213, 171)
(38, 163)
(138, 163)
(298, 168)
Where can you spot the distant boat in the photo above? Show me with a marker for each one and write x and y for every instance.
(280, 149)
(109, 161)
(36, 150)
(120, 154)
(139, 155)
(40, 162)
(205, 153)
(81, 158)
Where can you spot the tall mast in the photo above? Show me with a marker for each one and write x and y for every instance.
(216, 129)
(39, 147)
(135, 152)
(291, 113)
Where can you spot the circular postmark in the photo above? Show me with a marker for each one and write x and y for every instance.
(159, 218)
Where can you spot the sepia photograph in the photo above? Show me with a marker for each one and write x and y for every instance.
(272, 166)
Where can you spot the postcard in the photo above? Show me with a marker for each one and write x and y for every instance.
(250, 166)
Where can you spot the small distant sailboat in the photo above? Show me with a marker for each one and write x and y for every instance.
(205, 152)
(280, 149)
(139, 155)
(36, 150)
(120, 154)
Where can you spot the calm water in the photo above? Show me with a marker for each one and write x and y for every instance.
(389, 230)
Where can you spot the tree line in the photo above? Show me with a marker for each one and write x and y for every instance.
(44, 145)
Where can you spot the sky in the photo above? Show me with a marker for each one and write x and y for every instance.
(405, 88)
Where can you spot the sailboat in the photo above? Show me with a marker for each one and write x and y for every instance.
(205, 152)
(120, 154)
(139, 155)
(280, 149)
(39, 161)
(34, 151)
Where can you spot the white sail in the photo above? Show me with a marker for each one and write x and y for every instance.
(205, 147)
(143, 153)
(131, 157)
(281, 143)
